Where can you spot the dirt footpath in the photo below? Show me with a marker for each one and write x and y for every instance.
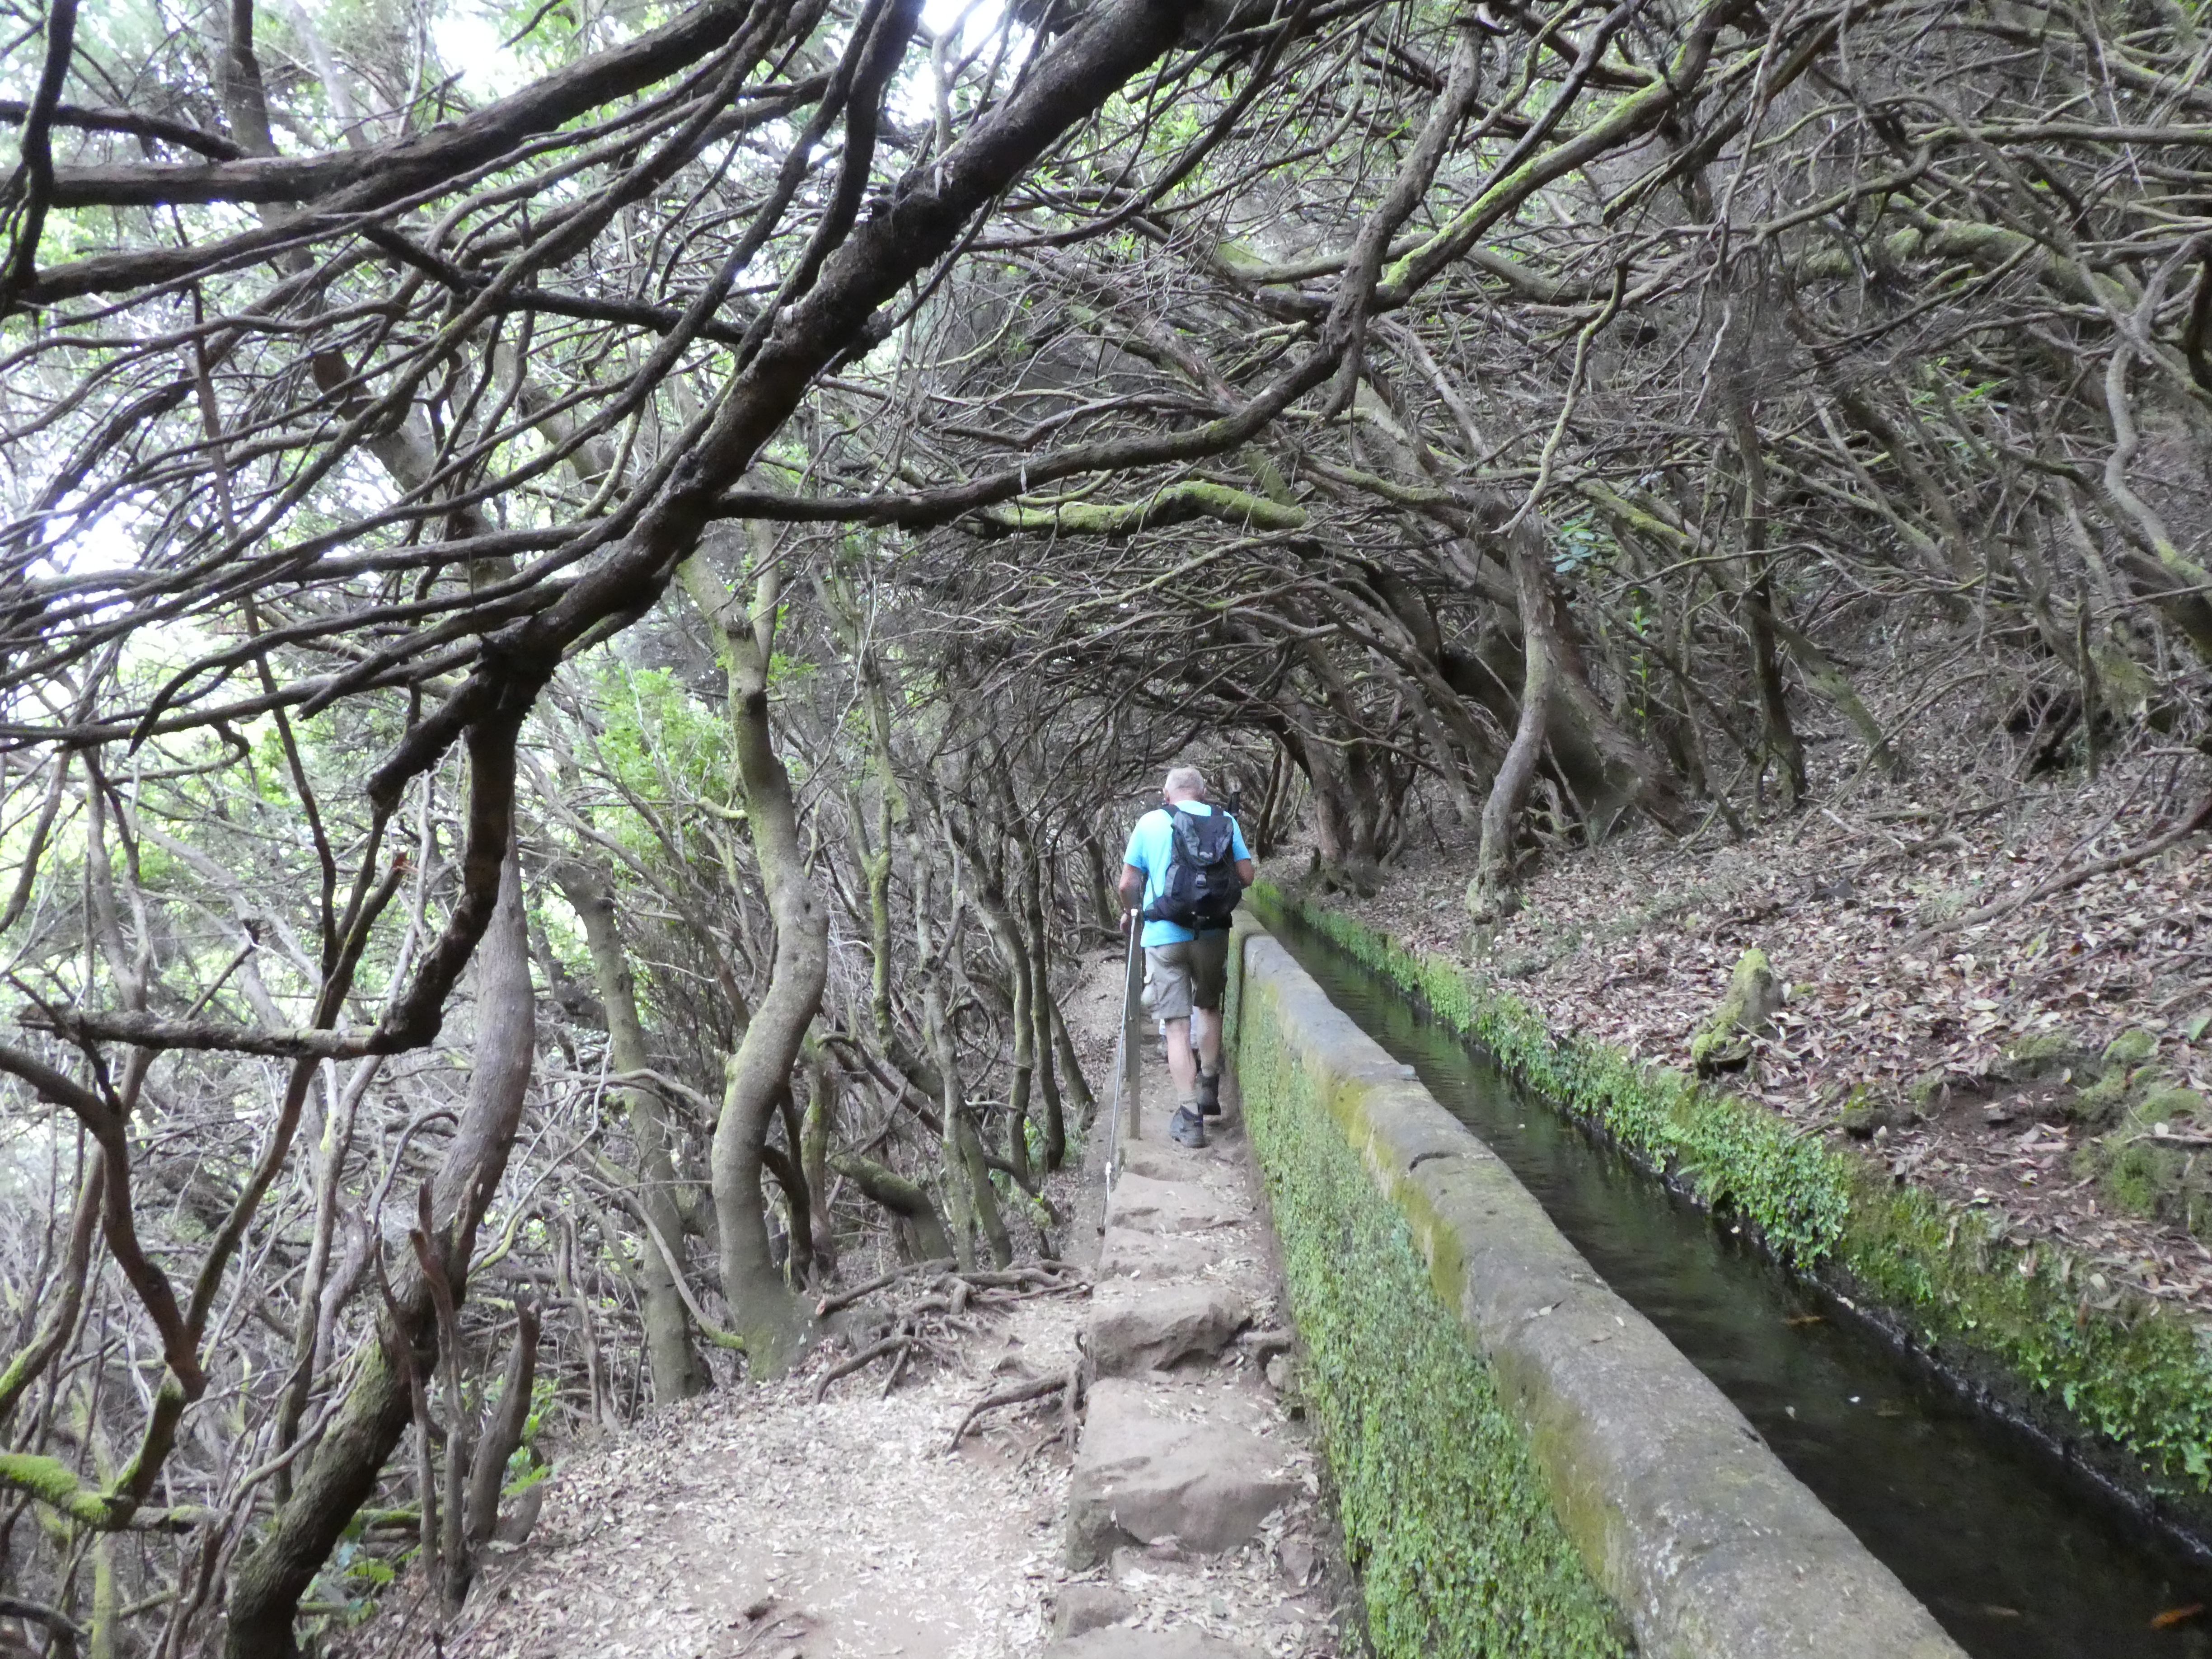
(1194, 1525)
(760, 1521)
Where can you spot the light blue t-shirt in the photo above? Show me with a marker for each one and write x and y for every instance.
(1151, 844)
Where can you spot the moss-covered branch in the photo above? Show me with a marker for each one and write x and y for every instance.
(50, 1481)
(1176, 504)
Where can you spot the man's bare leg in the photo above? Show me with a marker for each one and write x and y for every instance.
(1183, 1066)
(1209, 1038)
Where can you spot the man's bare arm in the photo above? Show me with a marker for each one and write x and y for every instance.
(1131, 886)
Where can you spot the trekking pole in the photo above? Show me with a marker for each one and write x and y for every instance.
(1128, 1054)
(1132, 1031)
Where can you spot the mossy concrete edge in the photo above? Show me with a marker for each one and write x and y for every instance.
(1712, 1549)
(2115, 1383)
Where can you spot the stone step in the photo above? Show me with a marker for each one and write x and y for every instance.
(1144, 1205)
(1160, 1161)
(1127, 1254)
(1120, 1642)
(1141, 1477)
(1132, 1331)
(1080, 1608)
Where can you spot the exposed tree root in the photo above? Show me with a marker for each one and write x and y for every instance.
(940, 1312)
(1069, 1387)
(830, 1304)
(860, 1361)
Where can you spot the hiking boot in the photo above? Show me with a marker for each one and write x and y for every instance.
(1186, 1127)
(1209, 1094)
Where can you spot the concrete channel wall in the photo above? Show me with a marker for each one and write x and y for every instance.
(1709, 1547)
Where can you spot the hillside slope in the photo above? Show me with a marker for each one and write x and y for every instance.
(2039, 1049)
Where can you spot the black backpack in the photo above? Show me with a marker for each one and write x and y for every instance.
(1202, 887)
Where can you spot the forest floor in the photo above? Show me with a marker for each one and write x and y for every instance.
(1915, 975)
(762, 1521)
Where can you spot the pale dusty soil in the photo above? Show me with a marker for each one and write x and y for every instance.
(844, 1528)
(756, 1521)
(1633, 942)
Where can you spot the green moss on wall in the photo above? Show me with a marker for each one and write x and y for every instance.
(2135, 1373)
(1445, 1514)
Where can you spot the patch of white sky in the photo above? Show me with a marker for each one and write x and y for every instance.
(106, 543)
(116, 537)
(472, 43)
(121, 536)
(972, 24)
(977, 18)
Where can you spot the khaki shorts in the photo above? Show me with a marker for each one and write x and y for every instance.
(1193, 973)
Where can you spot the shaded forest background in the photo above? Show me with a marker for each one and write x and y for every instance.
(584, 606)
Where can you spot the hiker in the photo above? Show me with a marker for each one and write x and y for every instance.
(1186, 868)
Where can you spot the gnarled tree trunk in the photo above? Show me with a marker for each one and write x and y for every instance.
(764, 1311)
(670, 1359)
(1490, 894)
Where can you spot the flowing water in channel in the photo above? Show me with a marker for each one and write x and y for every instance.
(2014, 1557)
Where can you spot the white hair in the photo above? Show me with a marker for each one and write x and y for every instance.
(1188, 782)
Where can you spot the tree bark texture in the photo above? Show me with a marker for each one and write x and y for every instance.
(1490, 892)
(906, 1199)
(1041, 1045)
(672, 1359)
(763, 1312)
(502, 1435)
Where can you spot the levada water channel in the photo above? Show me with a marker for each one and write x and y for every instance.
(2015, 1555)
